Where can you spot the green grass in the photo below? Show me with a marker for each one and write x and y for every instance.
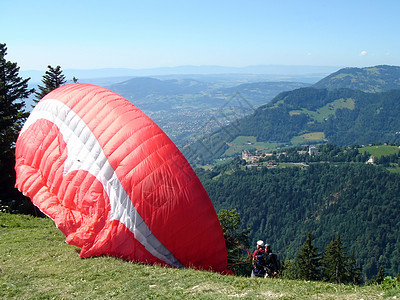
(248, 143)
(328, 110)
(380, 151)
(36, 263)
(307, 138)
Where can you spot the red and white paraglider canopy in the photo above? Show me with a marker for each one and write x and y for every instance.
(114, 183)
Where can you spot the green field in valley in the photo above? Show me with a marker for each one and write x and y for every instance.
(305, 138)
(380, 150)
(249, 143)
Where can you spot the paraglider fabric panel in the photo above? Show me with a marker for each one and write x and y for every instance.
(114, 183)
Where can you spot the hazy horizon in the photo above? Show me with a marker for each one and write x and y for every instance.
(36, 75)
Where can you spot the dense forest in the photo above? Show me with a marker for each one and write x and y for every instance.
(281, 205)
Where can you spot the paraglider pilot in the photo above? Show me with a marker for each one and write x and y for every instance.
(258, 260)
(272, 262)
(265, 263)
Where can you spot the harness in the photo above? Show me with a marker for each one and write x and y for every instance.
(260, 259)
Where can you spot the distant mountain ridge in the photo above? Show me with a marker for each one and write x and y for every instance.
(371, 79)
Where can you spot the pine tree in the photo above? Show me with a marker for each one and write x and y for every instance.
(289, 269)
(236, 241)
(13, 89)
(52, 79)
(354, 272)
(308, 260)
(381, 275)
(334, 262)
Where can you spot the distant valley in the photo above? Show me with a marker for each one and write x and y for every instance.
(186, 109)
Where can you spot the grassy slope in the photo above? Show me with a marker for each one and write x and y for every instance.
(241, 143)
(328, 110)
(35, 262)
(380, 151)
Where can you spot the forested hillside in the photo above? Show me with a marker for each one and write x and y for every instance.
(340, 117)
(360, 202)
(344, 116)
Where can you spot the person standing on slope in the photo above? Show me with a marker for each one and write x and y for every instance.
(271, 262)
(258, 260)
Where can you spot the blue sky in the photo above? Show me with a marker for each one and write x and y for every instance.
(88, 34)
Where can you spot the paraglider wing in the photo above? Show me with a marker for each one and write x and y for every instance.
(114, 183)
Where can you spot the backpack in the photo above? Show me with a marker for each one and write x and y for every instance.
(271, 262)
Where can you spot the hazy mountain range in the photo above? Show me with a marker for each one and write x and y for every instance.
(119, 73)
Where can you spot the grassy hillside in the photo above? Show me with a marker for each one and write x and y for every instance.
(36, 263)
